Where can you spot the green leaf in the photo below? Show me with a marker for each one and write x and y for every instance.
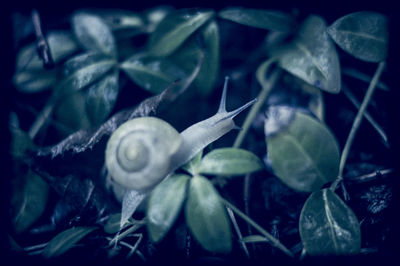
(71, 112)
(230, 161)
(206, 216)
(33, 81)
(28, 201)
(312, 56)
(82, 70)
(62, 44)
(328, 226)
(263, 19)
(362, 34)
(30, 76)
(93, 33)
(121, 19)
(209, 71)
(254, 239)
(187, 57)
(101, 98)
(65, 240)
(175, 28)
(193, 165)
(150, 74)
(20, 143)
(114, 222)
(164, 205)
(302, 151)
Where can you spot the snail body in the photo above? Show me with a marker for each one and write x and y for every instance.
(143, 151)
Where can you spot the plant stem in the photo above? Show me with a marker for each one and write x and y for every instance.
(357, 123)
(41, 119)
(236, 226)
(262, 96)
(275, 242)
(370, 119)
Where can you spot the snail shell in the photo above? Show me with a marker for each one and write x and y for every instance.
(138, 153)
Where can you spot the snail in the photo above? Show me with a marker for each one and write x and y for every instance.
(145, 150)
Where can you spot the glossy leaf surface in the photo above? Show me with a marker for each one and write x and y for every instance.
(230, 161)
(93, 33)
(312, 56)
(264, 19)
(101, 98)
(175, 28)
(206, 216)
(65, 240)
(150, 74)
(164, 205)
(362, 34)
(82, 70)
(328, 226)
(71, 112)
(303, 152)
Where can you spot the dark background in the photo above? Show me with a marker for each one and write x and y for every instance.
(50, 10)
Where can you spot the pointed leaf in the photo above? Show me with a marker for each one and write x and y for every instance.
(206, 216)
(362, 34)
(312, 56)
(28, 201)
(101, 98)
(230, 161)
(328, 226)
(62, 44)
(303, 152)
(263, 19)
(65, 240)
(175, 28)
(164, 205)
(82, 70)
(149, 74)
(93, 33)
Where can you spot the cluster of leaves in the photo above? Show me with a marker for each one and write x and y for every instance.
(301, 150)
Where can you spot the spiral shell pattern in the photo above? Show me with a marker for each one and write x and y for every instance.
(138, 153)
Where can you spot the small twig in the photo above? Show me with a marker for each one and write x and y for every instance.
(41, 119)
(236, 226)
(128, 231)
(246, 198)
(275, 242)
(370, 119)
(357, 123)
(42, 45)
(262, 96)
(371, 176)
(354, 73)
(39, 246)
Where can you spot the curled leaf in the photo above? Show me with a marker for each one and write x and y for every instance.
(328, 226)
(85, 139)
(362, 34)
